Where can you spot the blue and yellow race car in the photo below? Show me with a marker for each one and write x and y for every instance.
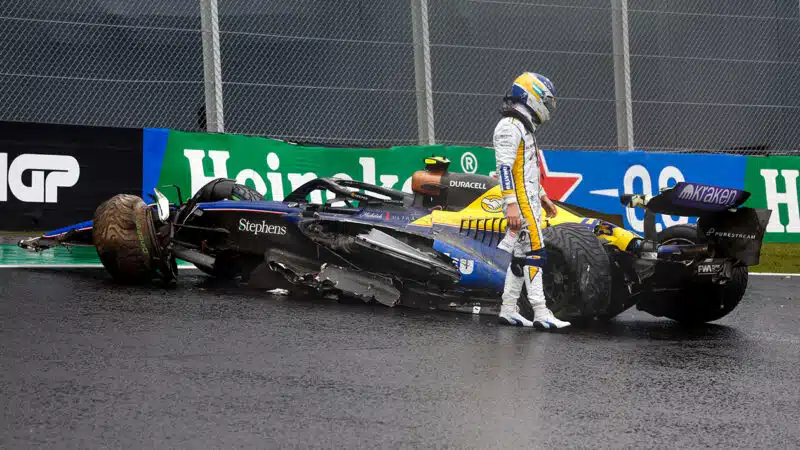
(435, 248)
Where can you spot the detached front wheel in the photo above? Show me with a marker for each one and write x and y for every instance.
(124, 235)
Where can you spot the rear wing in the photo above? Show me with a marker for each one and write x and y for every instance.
(689, 199)
(735, 231)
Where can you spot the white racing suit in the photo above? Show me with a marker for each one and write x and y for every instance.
(517, 159)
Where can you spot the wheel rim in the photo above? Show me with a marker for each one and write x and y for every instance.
(559, 285)
(680, 241)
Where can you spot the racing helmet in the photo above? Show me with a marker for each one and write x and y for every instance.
(537, 93)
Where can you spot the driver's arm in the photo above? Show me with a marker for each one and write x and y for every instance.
(507, 138)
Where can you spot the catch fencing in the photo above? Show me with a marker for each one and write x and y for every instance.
(682, 76)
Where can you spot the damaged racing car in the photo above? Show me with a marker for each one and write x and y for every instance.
(435, 248)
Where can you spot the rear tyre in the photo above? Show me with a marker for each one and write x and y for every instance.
(679, 234)
(124, 235)
(576, 275)
(226, 189)
(701, 302)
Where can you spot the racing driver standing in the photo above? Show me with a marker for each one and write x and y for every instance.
(529, 105)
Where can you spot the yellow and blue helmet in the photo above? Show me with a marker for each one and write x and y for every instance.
(537, 93)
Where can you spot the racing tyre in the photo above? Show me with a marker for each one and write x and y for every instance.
(226, 189)
(577, 273)
(702, 301)
(124, 235)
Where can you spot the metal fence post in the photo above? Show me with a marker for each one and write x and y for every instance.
(622, 73)
(212, 66)
(422, 69)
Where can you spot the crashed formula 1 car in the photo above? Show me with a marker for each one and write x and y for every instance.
(435, 248)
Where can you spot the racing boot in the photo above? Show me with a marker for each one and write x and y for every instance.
(509, 315)
(509, 310)
(543, 319)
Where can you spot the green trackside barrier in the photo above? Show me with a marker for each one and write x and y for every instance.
(275, 167)
(773, 182)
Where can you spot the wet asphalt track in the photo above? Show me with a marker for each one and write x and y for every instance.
(90, 365)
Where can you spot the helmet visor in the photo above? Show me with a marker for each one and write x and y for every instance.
(549, 103)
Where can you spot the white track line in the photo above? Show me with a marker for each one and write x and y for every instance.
(67, 266)
(773, 274)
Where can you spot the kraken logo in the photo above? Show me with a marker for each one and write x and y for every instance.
(687, 192)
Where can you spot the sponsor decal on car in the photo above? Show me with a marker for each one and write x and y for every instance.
(709, 269)
(468, 184)
(358, 196)
(375, 215)
(386, 216)
(465, 266)
(708, 194)
(729, 234)
(492, 204)
(261, 227)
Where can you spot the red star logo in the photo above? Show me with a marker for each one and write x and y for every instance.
(558, 184)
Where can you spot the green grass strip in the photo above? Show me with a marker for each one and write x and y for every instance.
(778, 258)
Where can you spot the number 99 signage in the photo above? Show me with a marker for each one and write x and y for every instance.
(607, 175)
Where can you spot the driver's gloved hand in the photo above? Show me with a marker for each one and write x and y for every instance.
(517, 264)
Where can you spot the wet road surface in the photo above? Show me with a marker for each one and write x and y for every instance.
(87, 365)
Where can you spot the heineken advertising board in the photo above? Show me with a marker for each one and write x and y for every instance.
(275, 168)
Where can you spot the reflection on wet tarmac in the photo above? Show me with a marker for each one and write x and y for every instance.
(204, 364)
